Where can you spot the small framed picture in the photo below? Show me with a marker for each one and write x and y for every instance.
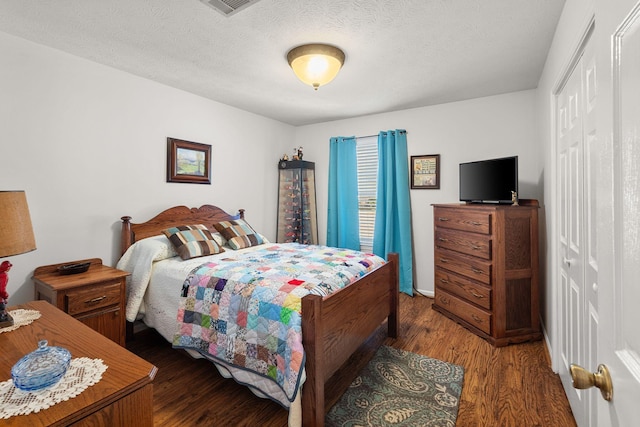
(425, 171)
(188, 162)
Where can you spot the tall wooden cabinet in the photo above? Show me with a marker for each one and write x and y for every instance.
(297, 213)
(486, 269)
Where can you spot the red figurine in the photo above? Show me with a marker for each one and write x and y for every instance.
(4, 279)
(5, 318)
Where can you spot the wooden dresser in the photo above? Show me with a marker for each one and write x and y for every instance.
(486, 269)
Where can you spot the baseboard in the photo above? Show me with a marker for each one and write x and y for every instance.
(424, 293)
(547, 346)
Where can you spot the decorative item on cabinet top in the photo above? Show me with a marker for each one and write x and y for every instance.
(297, 154)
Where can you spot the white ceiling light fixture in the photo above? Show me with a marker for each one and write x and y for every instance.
(316, 64)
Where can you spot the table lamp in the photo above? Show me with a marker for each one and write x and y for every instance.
(16, 237)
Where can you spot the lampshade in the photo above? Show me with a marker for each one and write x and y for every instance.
(16, 232)
(316, 64)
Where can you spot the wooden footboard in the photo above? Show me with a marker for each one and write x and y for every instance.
(334, 327)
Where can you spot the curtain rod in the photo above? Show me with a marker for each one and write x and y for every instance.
(371, 136)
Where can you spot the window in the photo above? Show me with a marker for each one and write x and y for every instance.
(367, 157)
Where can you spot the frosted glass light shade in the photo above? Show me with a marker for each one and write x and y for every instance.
(316, 64)
(16, 232)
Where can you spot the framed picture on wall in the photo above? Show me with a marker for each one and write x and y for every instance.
(425, 171)
(188, 162)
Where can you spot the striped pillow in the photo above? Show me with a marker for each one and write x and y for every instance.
(239, 234)
(192, 241)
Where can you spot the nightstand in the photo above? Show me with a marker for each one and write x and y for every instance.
(95, 297)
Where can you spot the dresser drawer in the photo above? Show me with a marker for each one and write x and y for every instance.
(476, 222)
(468, 312)
(464, 288)
(469, 243)
(474, 268)
(88, 299)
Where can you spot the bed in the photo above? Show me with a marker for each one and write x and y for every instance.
(333, 326)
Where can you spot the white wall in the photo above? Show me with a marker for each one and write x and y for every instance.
(88, 145)
(476, 129)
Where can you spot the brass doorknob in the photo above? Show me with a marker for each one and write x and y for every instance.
(584, 379)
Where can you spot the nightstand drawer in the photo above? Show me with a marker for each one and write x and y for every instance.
(82, 301)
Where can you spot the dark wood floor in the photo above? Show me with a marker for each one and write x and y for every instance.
(508, 386)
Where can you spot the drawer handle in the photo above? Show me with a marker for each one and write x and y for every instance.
(444, 281)
(442, 239)
(444, 300)
(476, 318)
(443, 219)
(444, 260)
(95, 300)
(475, 270)
(476, 223)
(476, 247)
(477, 295)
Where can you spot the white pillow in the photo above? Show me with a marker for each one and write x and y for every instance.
(159, 245)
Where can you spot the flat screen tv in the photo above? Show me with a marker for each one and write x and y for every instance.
(489, 181)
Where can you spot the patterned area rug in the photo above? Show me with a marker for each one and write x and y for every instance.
(400, 388)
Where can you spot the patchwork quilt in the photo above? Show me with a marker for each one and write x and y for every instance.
(245, 309)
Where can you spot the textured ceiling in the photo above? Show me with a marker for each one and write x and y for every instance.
(399, 53)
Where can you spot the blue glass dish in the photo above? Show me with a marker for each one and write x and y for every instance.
(41, 368)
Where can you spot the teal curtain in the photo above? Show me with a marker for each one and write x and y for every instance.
(342, 214)
(392, 231)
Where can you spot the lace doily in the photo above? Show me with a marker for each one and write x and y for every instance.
(21, 317)
(82, 373)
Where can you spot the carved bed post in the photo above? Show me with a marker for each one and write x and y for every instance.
(241, 213)
(125, 238)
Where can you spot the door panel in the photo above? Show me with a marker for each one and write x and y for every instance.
(577, 243)
(570, 251)
(619, 333)
(590, 253)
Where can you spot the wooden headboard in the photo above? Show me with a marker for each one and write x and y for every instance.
(177, 215)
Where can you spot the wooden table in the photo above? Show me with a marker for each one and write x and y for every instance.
(124, 395)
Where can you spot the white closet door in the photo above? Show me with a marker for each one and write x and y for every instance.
(577, 237)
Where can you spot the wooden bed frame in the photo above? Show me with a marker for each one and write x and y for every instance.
(333, 326)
